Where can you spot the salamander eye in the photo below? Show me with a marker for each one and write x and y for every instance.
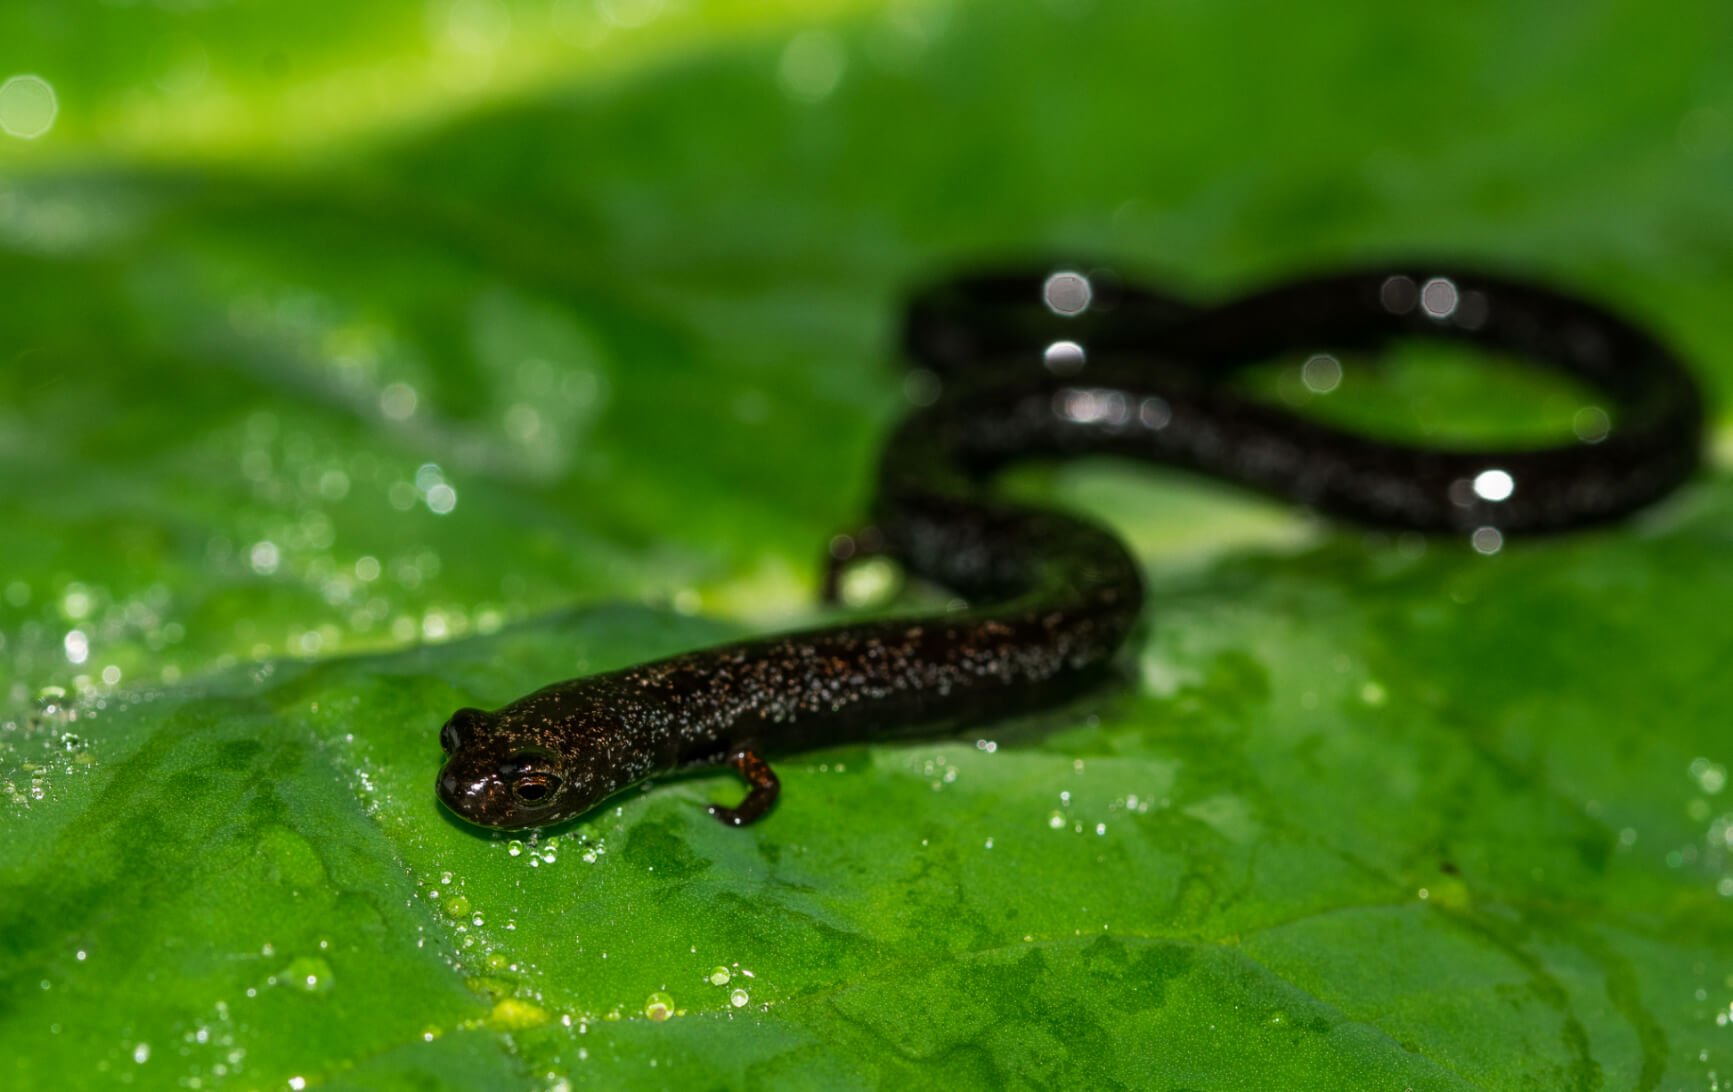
(449, 738)
(534, 790)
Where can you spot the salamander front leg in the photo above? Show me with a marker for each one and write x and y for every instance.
(763, 786)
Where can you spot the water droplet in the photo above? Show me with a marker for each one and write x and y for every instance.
(308, 973)
(264, 557)
(1321, 374)
(1398, 295)
(27, 109)
(870, 581)
(720, 976)
(398, 401)
(457, 906)
(1154, 413)
(628, 13)
(441, 499)
(76, 602)
(738, 998)
(514, 847)
(921, 387)
(1591, 424)
(812, 65)
(1711, 776)
(141, 1053)
(659, 1007)
(523, 423)
(334, 485)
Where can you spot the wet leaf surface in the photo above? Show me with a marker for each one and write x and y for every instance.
(300, 458)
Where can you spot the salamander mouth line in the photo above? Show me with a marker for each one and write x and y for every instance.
(1052, 363)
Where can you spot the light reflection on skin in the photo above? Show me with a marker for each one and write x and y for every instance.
(1438, 297)
(1494, 485)
(1064, 357)
(1482, 504)
(1067, 293)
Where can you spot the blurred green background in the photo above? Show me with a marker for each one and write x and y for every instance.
(364, 362)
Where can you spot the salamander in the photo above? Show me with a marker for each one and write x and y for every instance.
(1044, 363)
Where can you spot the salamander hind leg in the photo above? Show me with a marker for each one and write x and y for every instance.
(762, 786)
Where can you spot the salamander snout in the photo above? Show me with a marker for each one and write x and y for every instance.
(460, 729)
(496, 774)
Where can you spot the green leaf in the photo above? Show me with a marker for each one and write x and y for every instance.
(304, 453)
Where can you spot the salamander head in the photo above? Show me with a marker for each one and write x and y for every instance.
(499, 776)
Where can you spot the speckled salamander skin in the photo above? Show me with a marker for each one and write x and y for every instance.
(1053, 596)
